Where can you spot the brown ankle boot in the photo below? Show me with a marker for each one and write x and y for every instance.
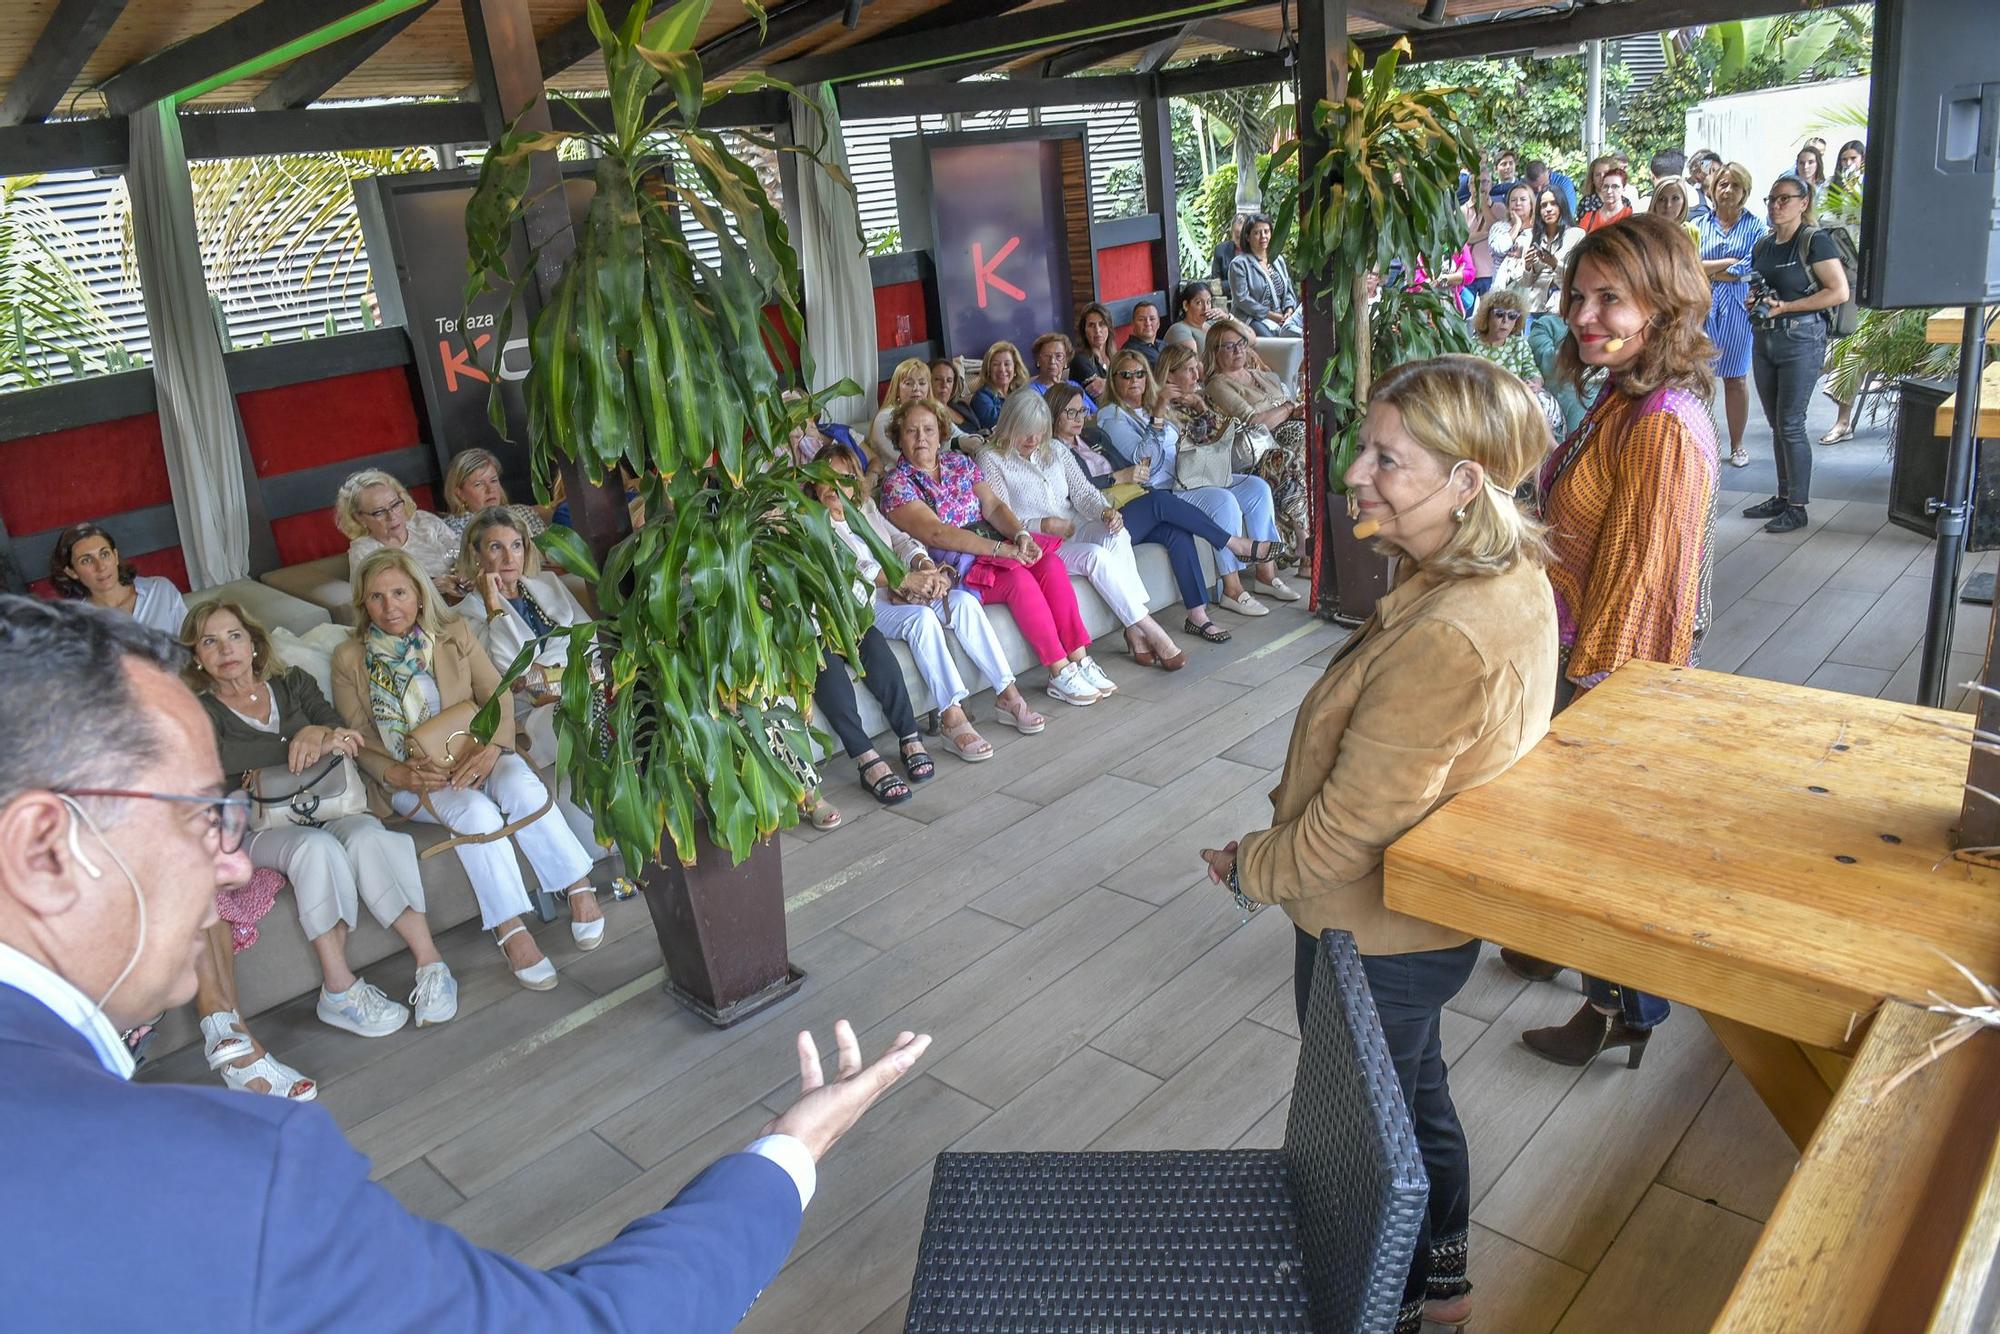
(1588, 1033)
(1528, 966)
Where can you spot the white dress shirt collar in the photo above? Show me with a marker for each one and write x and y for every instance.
(68, 1004)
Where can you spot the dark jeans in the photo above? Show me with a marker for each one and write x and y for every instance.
(1785, 362)
(1164, 518)
(1410, 991)
(834, 693)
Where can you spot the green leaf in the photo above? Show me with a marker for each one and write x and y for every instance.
(676, 29)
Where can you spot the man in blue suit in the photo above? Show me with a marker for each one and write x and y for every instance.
(164, 1207)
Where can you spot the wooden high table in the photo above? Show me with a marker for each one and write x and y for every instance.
(1781, 860)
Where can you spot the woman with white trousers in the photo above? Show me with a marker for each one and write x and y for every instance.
(923, 612)
(1047, 489)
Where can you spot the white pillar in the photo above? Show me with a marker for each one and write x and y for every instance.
(1593, 98)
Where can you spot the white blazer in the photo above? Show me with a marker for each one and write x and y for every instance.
(505, 635)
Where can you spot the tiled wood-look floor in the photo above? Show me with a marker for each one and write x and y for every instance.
(1043, 915)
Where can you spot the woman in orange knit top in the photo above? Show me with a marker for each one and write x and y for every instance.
(1629, 499)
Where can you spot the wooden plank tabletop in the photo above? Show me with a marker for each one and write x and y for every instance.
(1772, 854)
(1988, 425)
(1948, 327)
(1889, 1222)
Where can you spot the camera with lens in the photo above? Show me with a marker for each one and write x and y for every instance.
(1759, 294)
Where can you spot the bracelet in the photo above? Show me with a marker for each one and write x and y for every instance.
(1243, 901)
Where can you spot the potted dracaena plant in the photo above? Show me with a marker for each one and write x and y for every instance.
(1385, 193)
(655, 364)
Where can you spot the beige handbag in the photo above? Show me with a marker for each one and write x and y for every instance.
(1207, 464)
(281, 799)
(443, 741)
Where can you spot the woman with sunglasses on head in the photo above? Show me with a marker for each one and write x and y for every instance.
(1629, 503)
(1499, 325)
(1799, 267)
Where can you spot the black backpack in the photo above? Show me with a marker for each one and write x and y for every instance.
(1843, 319)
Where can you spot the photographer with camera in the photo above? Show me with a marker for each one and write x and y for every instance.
(1795, 279)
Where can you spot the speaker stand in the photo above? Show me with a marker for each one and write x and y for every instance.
(1953, 510)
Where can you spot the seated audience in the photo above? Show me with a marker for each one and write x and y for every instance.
(1052, 354)
(1145, 336)
(472, 484)
(1444, 690)
(1500, 335)
(937, 496)
(1195, 304)
(1261, 293)
(269, 716)
(1243, 509)
(948, 392)
(1237, 385)
(910, 381)
(920, 610)
(1036, 477)
(1156, 515)
(1092, 359)
(406, 664)
(375, 511)
(1000, 374)
(84, 564)
(833, 692)
(227, 1214)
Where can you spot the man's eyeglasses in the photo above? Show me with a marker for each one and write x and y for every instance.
(384, 514)
(228, 817)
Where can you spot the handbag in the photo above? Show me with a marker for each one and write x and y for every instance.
(1120, 494)
(1252, 443)
(444, 740)
(281, 799)
(1206, 464)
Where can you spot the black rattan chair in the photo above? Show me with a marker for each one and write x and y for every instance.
(1315, 1237)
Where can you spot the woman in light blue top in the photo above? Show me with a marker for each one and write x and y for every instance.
(1144, 422)
(1728, 234)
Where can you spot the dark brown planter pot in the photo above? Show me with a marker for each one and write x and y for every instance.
(722, 931)
(1359, 573)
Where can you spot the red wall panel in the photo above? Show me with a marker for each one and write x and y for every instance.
(900, 299)
(64, 477)
(1125, 271)
(298, 426)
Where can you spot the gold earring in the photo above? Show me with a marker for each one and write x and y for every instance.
(1353, 505)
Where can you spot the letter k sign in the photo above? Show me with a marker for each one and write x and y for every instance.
(984, 272)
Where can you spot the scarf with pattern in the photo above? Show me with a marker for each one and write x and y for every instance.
(395, 700)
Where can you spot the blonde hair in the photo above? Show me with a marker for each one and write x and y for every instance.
(463, 464)
(907, 368)
(1737, 172)
(347, 501)
(264, 661)
(1465, 408)
(1149, 396)
(1211, 348)
(986, 366)
(429, 615)
(1499, 298)
(484, 522)
(1026, 414)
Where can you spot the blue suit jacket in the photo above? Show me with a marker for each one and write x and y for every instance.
(169, 1208)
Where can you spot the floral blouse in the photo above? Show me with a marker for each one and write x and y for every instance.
(950, 495)
(1512, 354)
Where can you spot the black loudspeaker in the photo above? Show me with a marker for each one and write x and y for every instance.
(1916, 477)
(1930, 215)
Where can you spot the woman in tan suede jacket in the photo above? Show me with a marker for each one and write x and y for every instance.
(408, 663)
(1447, 685)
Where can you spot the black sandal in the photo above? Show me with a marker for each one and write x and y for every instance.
(1269, 553)
(1211, 632)
(888, 789)
(919, 766)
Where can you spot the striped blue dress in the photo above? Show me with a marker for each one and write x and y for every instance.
(1728, 319)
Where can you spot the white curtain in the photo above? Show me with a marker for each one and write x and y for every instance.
(198, 420)
(839, 295)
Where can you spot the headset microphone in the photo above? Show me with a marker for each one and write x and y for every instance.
(75, 848)
(1613, 344)
(1367, 528)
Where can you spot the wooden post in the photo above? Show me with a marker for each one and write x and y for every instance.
(507, 71)
(1156, 139)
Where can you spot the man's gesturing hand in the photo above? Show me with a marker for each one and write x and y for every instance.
(826, 1111)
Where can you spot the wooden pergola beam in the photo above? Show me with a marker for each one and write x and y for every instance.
(67, 42)
(314, 74)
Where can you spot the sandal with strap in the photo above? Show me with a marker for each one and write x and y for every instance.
(280, 1080)
(537, 976)
(1838, 435)
(967, 744)
(919, 766)
(222, 1041)
(1211, 632)
(888, 789)
(822, 813)
(1261, 551)
(1739, 458)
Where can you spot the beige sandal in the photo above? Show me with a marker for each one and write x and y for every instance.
(820, 812)
(967, 744)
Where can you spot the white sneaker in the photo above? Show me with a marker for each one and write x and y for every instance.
(1277, 588)
(1070, 687)
(1243, 604)
(363, 1010)
(436, 994)
(1094, 676)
